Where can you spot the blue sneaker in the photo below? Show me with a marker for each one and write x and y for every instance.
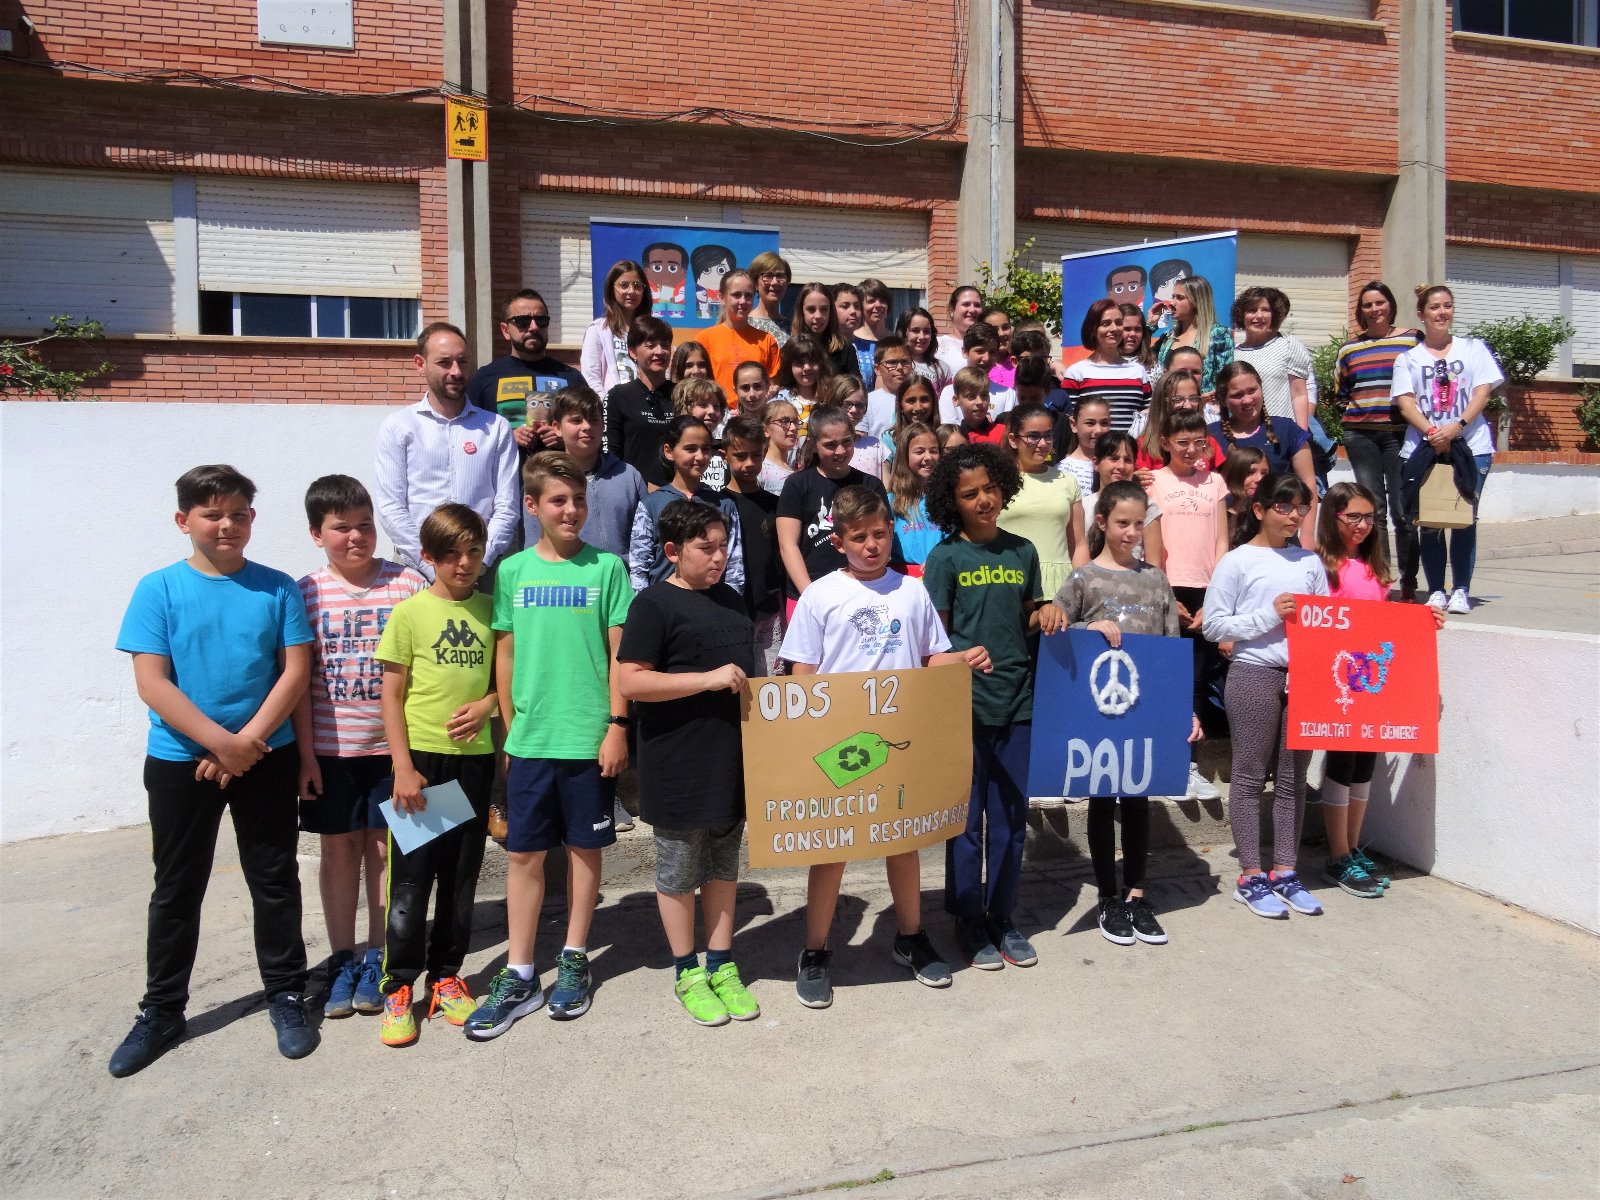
(368, 996)
(343, 974)
(1288, 885)
(570, 996)
(1371, 868)
(510, 998)
(1255, 891)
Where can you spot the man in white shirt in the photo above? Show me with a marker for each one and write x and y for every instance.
(443, 450)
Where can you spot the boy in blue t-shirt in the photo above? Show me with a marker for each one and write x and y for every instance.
(222, 654)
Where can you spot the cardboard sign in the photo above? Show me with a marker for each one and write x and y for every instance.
(1363, 675)
(856, 765)
(1111, 722)
(466, 128)
(684, 264)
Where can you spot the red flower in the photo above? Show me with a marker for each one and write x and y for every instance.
(1033, 306)
(5, 369)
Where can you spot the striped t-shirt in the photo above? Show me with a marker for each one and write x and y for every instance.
(1277, 361)
(1125, 386)
(1362, 378)
(346, 679)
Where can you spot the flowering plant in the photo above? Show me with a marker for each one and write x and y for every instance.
(24, 372)
(1021, 291)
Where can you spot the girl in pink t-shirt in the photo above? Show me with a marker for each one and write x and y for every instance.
(1357, 569)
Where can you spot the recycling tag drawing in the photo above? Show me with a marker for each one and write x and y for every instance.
(1363, 675)
(856, 765)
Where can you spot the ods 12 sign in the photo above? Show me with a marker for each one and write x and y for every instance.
(1363, 675)
(1111, 722)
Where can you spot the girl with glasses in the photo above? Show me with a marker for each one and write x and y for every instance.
(781, 420)
(604, 361)
(1048, 510)
(1250, 598)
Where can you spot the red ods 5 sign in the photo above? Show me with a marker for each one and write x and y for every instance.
(1363, 675)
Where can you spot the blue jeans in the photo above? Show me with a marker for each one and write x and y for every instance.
(1463, 543)
(999, 802)
(1375, 458)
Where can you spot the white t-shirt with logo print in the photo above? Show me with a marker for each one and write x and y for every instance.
(842, 623)
(1443, 388)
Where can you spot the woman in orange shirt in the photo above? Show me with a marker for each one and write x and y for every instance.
(734, 340)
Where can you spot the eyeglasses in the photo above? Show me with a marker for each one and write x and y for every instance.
(1358, 518)
(1035, 437)
(896, 364)
(1284, 509)
(772, 277)
(1188, 445)
(785, 422)
(523, 320)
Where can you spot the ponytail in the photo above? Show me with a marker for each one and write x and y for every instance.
(1110, 496)
(1273, 489)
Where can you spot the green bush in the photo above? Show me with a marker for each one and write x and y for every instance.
(1525, 345)
(1589, 414)
(24, 372)
(1023, 292)
(1329, 411)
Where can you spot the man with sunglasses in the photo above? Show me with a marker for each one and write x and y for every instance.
(512, 384)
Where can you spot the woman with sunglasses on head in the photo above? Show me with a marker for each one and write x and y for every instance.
(1443, 387)
(772, 276)
(604, 360)
(1195, 327)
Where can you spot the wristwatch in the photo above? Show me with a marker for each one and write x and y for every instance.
(620, 722)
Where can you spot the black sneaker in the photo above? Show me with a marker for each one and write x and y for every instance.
(977, 946)
(1116, 925)
(917, 952)
(811, 981)
(621, 818)
(1014, 948)
(153, 1031)
(1145, 926)
(297, 1037)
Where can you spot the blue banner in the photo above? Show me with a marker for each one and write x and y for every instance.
(1145, 275)
(683, 264)
(1111, 722)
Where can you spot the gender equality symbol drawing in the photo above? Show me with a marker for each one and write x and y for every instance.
(1361, 672)
(1111, 695)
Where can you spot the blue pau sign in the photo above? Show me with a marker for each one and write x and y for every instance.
(1111, 722)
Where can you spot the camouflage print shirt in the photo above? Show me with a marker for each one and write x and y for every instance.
(1139, 601)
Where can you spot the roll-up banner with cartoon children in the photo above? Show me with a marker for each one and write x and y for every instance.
(683, 264)
(1145, 274)
(854, 765)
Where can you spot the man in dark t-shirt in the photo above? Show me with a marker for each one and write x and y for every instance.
(505, 385)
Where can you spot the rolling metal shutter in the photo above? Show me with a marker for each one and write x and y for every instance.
(1355, 10)
(322, 239)
(1313, 271)
(1585, 272)
(95, 245)
(826, 244)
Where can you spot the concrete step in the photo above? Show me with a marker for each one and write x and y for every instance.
(1538, 539)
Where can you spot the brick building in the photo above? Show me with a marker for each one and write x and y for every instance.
(261, 221)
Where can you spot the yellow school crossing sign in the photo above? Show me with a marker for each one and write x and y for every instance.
(466, 128)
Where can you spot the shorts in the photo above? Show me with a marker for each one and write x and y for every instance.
(352, 789)
(558, 801)
(688, 859)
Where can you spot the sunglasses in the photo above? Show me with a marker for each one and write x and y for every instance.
(523, 320)
(1284, 509)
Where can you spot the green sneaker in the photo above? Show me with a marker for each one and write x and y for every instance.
(694, 993)
(735, 997)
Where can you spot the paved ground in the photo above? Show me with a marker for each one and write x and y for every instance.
(1432, 1043)
(1538, 575)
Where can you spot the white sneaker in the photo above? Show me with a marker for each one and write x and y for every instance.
(1437, 600)
(1044, 802)
(1459, 604)
(1201, 788)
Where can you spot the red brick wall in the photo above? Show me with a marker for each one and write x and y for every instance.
(211, 371)
(1522, 115)
(398, 43)
(1106, 75)
(816, 63)
(1545, 417)
(1534, 220)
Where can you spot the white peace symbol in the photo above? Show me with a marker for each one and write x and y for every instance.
(1112, 696)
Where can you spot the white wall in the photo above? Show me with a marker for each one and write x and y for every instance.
(1511, 805)
(86, 504)
(1526, 492)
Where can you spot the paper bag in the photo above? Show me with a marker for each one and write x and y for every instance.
(1439, 505)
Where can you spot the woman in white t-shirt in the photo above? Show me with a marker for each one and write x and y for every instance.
(966, 305)
(1442, 388)
(604, 361)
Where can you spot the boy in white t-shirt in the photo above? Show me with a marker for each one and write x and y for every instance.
(865, 617)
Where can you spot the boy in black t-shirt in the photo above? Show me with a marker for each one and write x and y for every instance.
(685, 655)
(745, 447)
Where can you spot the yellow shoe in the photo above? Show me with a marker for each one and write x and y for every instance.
(399, 1026)
(450, 996)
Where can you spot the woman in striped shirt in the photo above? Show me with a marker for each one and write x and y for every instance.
(1373, 427)
(1105, 374)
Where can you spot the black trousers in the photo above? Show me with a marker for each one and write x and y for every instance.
(185, 817)
(452, 861)
(1103, 842)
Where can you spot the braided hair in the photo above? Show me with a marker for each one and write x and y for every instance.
(1225, 377)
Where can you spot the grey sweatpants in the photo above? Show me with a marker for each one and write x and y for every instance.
(1256, 702)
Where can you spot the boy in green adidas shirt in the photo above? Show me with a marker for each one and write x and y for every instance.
(558, 613)
(438, 697)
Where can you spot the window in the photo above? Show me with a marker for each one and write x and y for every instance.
(1571, 22)
(277, 314)
(1491, 284)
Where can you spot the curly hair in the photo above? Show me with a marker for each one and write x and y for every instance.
(956, 461)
